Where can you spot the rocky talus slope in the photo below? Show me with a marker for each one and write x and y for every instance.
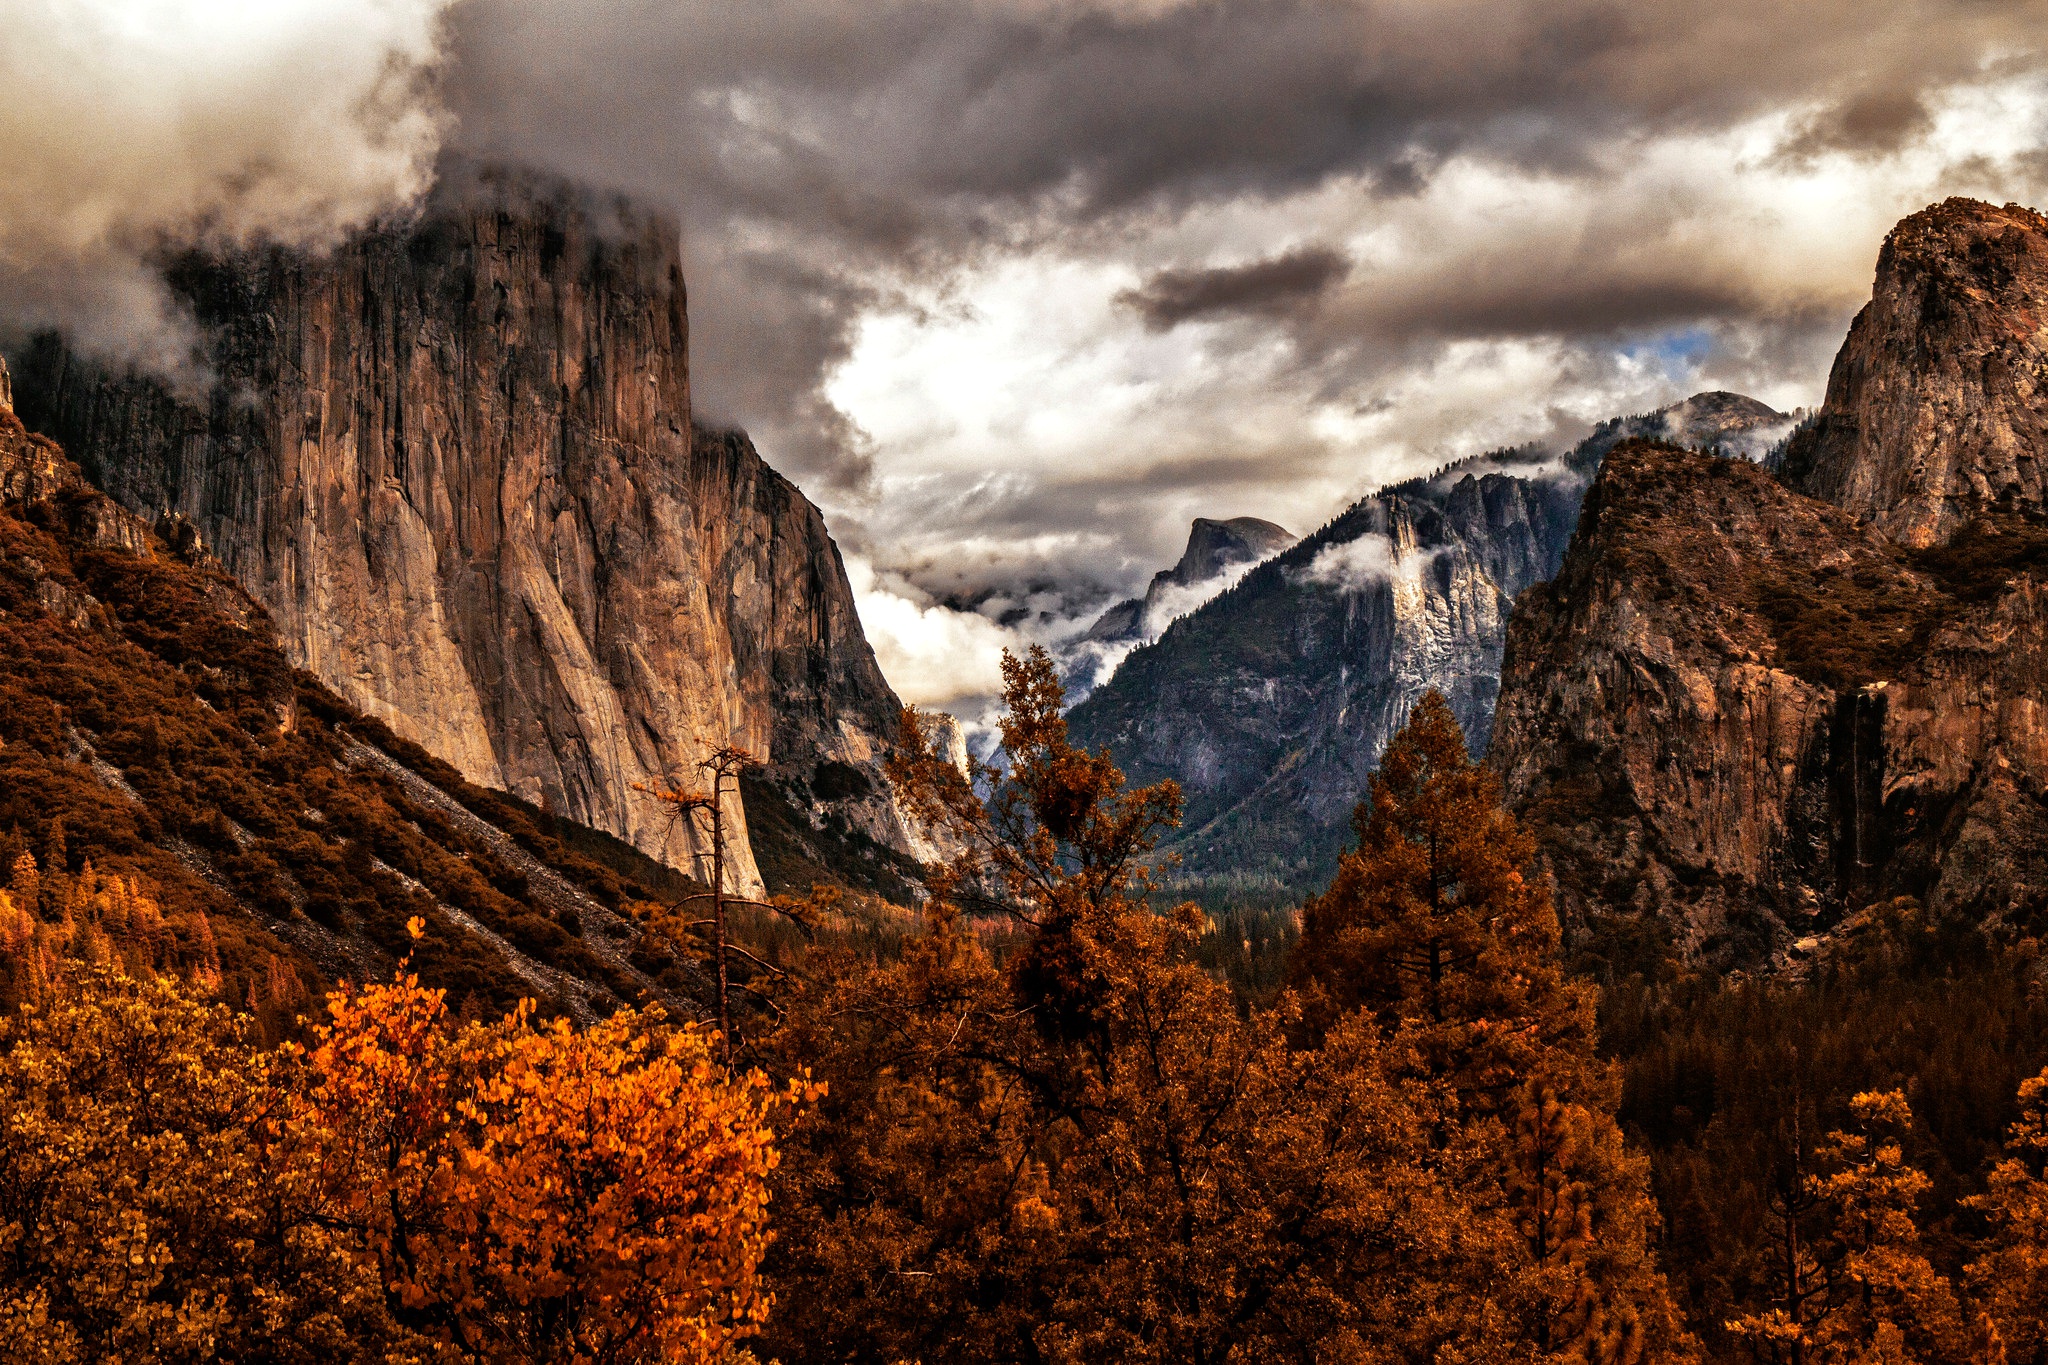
(1271, 704)
(151, 727)
(1741, 713)
(456, 461)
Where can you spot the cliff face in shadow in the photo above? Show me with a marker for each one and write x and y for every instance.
(1271, 704)
(456, 462)
(1741, 713)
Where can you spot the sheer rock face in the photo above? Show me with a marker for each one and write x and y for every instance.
(1271, 704)
(1748, 712)
(1214, 548)
(1938, 403)
(1741, 712)
(456, 461)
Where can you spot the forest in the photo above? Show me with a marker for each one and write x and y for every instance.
(1044, 1118)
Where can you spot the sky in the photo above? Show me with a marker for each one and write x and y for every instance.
(1014, 289)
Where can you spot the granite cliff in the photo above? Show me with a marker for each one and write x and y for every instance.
(1214, 548)
(1270, 705)
(455, 460)
(151, 729)
(1747, 709)
(1937, 406)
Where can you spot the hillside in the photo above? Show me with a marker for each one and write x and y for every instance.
(151, 725)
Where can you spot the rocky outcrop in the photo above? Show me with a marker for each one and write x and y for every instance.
(1938, 403)
(456, 460)
(1741, 713)
(1214, 548)
(1271, 704)
(1737, 715)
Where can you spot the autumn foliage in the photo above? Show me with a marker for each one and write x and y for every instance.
(402, 1189)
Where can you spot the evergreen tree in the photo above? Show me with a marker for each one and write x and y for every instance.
(1851, 1280)
(1439, 926)
(1087, 1152)
(1873, 1196)
(2010, 1279)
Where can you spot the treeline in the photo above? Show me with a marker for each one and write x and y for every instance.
(1050, 1124)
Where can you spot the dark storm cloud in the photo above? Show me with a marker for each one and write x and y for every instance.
(1279, 284)
(818, 150)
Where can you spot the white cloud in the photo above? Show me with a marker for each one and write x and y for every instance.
(1026, 426)
(1370, 559)
(129, 123)
(933, 655)
(1174, 600)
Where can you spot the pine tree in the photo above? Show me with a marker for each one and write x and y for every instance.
(1872, 1196)
(1087, 1152)
(1439, 924)
(1851, 1279)
(2011, 1278)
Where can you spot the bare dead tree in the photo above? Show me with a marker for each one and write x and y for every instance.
(723, 764)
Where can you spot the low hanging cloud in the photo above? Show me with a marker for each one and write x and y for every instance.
(130, 126)
(1365, 562)
(933, 655)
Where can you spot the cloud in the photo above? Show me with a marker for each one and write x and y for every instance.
(1363, 563)
(937, 249)
(832, 162)
(935, 656)
(132, 124)
(1277, 284)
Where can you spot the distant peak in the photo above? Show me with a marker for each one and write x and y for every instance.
(1720, 418)
(1214, 546)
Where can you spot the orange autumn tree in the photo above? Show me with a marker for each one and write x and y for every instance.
(1083, 1150)
(159, 1201)
(533, 1191)
(1439, 926)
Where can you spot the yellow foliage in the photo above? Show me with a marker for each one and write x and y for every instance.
(548, 1193)
(402, 1192)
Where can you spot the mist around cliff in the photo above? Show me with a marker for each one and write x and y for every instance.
(130, 127)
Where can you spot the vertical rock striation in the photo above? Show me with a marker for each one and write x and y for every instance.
(456, 461)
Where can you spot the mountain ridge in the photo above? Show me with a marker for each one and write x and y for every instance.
(1270, 704)
(1742, 714)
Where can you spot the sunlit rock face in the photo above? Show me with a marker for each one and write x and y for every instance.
(456, 461)
(1938, 403)
(1742, 714)
(1271, 704)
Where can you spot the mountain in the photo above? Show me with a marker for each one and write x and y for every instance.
(1938, 403)
(1748, 708)
(1270, 705)
(1214, 548)
(455, 460)
(152, 729)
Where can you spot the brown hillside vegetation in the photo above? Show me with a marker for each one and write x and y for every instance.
(149, 726)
